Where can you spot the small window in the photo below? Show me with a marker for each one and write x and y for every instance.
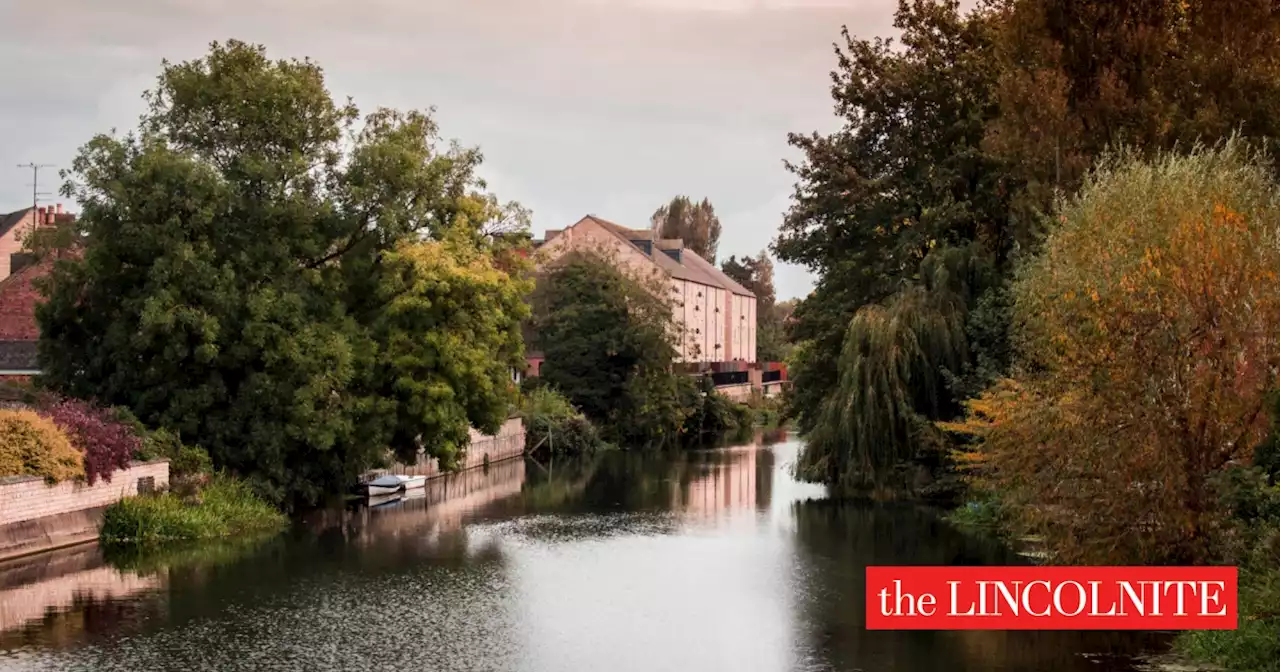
(146, 484)
(717, 309)
(697, 331)
(697, 307)
(699, 293)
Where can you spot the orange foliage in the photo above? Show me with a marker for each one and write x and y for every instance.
(1149, 331)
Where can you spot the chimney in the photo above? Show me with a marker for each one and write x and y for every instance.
(40, 213)
(50, 217)
(59, 210)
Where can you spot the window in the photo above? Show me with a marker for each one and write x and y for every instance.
(697, 307)
(699, 294)
(717, 309)
(697, 331)
(146, 484)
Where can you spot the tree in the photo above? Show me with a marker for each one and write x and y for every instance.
(695, 223)
(1076, 77)
(905, 174)
(280, 284)
(1149, 356)
(607, 339)
(754, 273)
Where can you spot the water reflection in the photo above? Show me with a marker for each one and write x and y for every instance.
(710, 560)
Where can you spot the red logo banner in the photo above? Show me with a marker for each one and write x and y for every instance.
(1051, 598)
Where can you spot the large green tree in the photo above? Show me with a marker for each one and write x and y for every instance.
(608, 342)
(695, 223)
(283, 282)
(905, 175)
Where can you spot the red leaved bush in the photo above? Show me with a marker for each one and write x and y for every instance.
(107, 443)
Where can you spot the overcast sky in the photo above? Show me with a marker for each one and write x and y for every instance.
(607, 107)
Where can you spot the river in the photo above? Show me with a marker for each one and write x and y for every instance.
(704, 561)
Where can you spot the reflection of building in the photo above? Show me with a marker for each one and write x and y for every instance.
(727, 484)
(443, 506)
(32, 587)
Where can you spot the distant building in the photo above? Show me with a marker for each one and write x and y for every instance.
(18, 294)
(715, 315)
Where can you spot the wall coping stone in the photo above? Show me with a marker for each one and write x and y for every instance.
(12, 480)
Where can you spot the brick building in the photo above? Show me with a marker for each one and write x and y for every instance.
(716, 316)
(18, 293)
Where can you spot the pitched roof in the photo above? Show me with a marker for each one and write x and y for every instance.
(691, 267)
(12, 219)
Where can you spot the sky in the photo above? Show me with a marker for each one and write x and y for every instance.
(604, 107)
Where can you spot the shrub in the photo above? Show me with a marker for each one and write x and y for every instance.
(553, 424)
(107, 443)
(224, 507)
(31, 445)
(1146, 331)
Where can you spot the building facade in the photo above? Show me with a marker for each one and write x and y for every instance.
(714, 315)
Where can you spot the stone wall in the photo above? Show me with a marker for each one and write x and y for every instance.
(35, 516)
(506, 444)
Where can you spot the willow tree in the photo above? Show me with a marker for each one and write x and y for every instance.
(893, 381)
(281, 281)
(1147, 336)
(904, 173)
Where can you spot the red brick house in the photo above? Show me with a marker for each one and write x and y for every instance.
(18, 294)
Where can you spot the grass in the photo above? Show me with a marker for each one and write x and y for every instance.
(1255, 645)
(224, 507)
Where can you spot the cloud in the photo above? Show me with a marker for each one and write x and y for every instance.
(605, 106)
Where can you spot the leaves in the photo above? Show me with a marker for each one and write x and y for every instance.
(248, 277)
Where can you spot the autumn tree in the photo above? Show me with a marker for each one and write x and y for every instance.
(1077, 77)
(1148, 349)
(695, 223)
(283, 282)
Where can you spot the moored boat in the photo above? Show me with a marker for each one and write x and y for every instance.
(412, 482)
(383, 485)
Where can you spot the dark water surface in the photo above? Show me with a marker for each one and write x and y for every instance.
(702, 562)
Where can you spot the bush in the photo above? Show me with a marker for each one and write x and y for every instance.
(107, 443)
(1252, 542)
(31, 445)
(551, 423)
(712, 416)
(224, 507)
(1146, 331)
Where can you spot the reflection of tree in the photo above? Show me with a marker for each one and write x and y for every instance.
(765, 462)
(841, 540)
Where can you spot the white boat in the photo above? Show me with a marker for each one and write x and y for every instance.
(412, 482)
(383, 485)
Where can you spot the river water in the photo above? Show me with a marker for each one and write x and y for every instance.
(705, 561)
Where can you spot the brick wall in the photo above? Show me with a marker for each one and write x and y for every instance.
(29, 497)
(18, 299)
(506, 444)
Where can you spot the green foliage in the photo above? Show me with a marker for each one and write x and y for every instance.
(280, 285)
(1254, 543)
(695, 223)
(905, 174)
(225, 507)
(553, 425)
(891, 378)
(607, 342)
(712, 416)
(32, 445)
